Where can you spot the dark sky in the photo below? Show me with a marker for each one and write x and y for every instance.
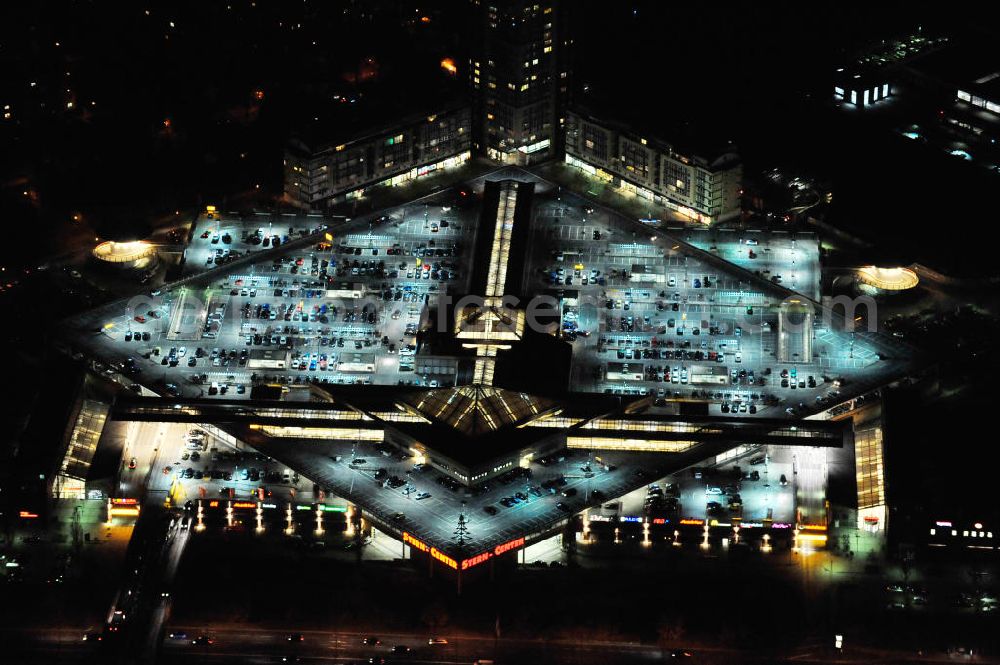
(760, 74)
(740, 70)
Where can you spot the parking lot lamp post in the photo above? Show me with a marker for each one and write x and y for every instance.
(354, 448)
(590, 474)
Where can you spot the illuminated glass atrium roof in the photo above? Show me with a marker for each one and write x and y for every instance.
(478, 409)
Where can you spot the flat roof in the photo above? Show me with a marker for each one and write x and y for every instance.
(477, 423)
(688, 138)
(345, 118)
(505, 203)
(962, 65)
(433, 519)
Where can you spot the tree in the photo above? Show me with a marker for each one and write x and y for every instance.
(461, 534)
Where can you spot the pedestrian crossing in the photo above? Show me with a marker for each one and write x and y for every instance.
(249, 279)
(726, 297)
(645, 250)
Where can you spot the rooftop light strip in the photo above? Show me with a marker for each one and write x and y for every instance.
(485, 365)
(500, 252)
(484, 370)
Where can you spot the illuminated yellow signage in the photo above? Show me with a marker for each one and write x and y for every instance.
(466, 563)
(497, 551)
(413, 542)
(444, 558)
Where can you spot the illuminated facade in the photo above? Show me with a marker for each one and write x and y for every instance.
(984, 95)
(519, 77)
(705, 189)
(138, 254)
(870, 471)
(318, 173)
(861, 87)
(84, 435)
(875, 281)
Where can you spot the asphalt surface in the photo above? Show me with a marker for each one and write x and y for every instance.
(434, 517)
(263, 645)
(647, 292)
(676, 304)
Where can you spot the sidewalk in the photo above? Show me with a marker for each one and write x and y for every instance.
(379, 198)
(601, 192)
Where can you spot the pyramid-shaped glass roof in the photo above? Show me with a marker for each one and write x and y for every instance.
(477, 409)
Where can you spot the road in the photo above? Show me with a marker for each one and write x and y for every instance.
(242, 645)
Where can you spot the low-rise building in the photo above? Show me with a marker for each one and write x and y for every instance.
(326, 164)
(702, 187)
(862, 86)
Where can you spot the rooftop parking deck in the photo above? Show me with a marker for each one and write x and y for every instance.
(429, 510)
(689, 315)
(336, 306)
(679, 315)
